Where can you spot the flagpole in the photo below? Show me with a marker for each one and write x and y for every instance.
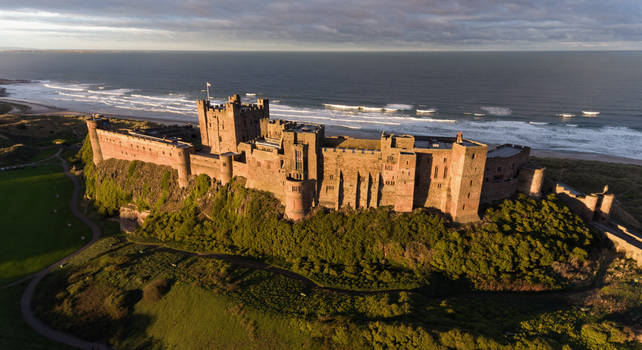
(207, 87)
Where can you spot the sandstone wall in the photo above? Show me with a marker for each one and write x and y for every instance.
(146, 149)
(351, 178)
(203, 163)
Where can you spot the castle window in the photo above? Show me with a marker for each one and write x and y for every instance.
(438, 185)
(436, 173)
(463, 207)
(445, 172)
(468, 195)
(331, 177)
(391, 159)
(445, 160)
(472, 156)
(388, 167)
(471, 183)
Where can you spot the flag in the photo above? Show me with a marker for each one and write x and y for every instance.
(209, 85)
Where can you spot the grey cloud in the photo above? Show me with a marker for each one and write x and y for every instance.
(367, 23)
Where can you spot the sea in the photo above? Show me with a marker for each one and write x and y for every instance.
(494, 97)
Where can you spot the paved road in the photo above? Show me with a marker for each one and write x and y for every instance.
(25, 301)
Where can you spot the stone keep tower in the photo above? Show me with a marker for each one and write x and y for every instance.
(224, 126)
(468, 162)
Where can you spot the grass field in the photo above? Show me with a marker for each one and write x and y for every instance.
(211, 322)
(32, 237)
(38, 227)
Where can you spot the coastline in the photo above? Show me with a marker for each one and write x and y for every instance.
(40, 109)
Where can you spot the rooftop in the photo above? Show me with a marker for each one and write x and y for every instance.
(352, 143)
(504, 152)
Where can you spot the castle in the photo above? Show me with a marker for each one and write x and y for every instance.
(303, 168)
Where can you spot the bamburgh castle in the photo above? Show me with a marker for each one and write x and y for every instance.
(303, 168)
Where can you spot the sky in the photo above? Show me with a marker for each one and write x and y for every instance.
(322, 24)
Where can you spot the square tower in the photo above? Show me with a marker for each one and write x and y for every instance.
(224, 126)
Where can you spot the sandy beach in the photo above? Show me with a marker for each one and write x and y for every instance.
(40, 109)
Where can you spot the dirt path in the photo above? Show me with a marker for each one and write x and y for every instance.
(17, 166)
(25, 301)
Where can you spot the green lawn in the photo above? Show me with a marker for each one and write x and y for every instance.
(38, 227)
(194, 318)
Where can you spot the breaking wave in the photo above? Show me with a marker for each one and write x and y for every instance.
(497, 111)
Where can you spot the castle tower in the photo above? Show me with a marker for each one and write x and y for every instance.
(294, 199)
(224, 126)
(604, 210)
(531, 179)
(183, 166)
(92, 125)
(467, 174)
(226, 168)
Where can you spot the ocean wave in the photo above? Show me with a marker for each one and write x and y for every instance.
(349, 126)
(497, 111)
(370, 109)
(115, 92)
(341, 107)
(399, 106)
(71, 87)
(162, 98)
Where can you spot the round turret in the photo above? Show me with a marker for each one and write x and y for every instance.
(294, 203)
(92, 126)
(183, 167)
(226, 169)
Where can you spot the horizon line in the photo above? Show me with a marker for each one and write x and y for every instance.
(320, 50)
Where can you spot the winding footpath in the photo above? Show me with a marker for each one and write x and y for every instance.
(27, 296)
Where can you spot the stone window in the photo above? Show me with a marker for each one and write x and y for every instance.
(438, 185)
(331, 177)
(463, 207)
(472, 156)
(436, 172)
(388, 167)
(445, 160)
(471, 183)
(445, 172)
(468, 195)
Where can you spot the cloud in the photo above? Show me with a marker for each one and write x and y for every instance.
(322, 24)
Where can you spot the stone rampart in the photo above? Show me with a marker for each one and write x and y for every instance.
(146, 149)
